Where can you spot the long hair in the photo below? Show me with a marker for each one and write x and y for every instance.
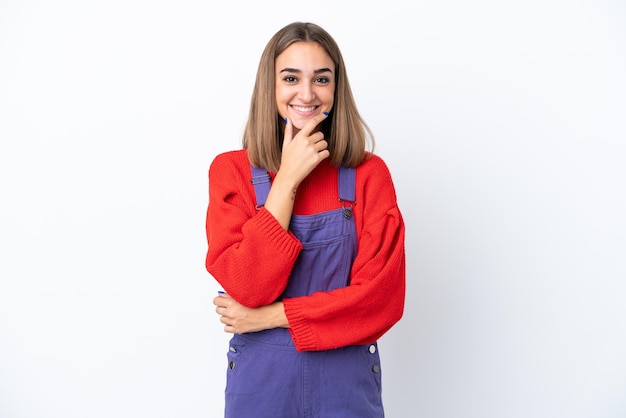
(344, 129)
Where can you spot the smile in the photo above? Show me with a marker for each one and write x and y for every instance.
(304, 109)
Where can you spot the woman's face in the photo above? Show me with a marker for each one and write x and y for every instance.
(305, 82)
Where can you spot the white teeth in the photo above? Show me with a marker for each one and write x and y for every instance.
(304, 109)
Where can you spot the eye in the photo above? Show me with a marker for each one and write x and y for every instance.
(290, 79)
(322, 80)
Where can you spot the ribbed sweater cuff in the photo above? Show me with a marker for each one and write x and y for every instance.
(285, 241)
(302, 334)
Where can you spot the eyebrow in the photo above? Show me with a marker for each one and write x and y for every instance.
(295, 70)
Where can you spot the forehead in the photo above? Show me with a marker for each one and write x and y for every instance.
(304, 56)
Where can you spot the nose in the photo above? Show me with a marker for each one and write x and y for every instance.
(306, 93)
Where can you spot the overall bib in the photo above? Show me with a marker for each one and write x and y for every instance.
(266, 376)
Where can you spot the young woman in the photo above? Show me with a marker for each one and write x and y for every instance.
(307, 241)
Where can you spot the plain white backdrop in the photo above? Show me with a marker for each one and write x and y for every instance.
(503, 124)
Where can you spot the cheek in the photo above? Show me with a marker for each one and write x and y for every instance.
(281, 101)
(330, 101)
(329, 97)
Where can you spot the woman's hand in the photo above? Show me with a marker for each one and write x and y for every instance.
(300, 155)
(239, 319)
(304, 151)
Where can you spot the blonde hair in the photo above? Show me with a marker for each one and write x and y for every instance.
(344, 129)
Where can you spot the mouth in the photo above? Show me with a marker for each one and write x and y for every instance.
(304, 109)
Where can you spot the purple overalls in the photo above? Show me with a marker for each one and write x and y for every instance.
(266, 376)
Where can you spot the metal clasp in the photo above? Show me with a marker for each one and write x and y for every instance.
(347, 210)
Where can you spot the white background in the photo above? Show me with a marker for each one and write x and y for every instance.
(503, 124)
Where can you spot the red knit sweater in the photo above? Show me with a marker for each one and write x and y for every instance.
(251, 255)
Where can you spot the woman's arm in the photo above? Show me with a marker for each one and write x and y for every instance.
(374, 300)
(249, 253)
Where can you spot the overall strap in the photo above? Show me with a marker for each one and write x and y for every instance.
(347, 189)
(347, 184)
(262, 182)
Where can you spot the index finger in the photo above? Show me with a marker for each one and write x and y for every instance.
(313, 122)
(288, 132)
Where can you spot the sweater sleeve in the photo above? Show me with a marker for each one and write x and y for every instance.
(249, 253)
(374, 301)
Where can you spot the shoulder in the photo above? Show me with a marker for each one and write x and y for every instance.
(374, 178)
(373, 165)
(230, 169)
(230, 158)
(230, 162)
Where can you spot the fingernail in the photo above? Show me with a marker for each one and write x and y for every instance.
(325, 113)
